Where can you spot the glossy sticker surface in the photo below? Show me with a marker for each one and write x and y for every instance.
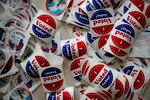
(52, 78)
(75, 48)
(102, 22)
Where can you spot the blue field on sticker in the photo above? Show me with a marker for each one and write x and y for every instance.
(40, 32)
(128, 70)
(126, 29)
(82, 18)
(91, 38)
(78, 78)
(50, 72)
(98, 4)
(52, 96)
(101, 14)
(89, 6)
(30, 71)
(66, 50)
(125, 9)
(107, 81)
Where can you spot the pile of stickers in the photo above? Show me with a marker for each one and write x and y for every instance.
(74, 49)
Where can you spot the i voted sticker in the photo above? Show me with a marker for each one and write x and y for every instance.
(124, 36)
(132, 4)
(136, 19)
(43, 26)
(74, 48)
(139, 17)
(85, 67)
(68, 93)
(17, 40)
(52, 78)
(101, 76)
(31, 71)
(115, 51)
(121, 40)
(80, 17)
(33, 63)
(38, 28)
(102, 21)
(75, 69)
(97, 42)
(137, 73)
(8, 65)
(30, 67)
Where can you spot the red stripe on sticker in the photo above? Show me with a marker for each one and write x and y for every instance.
(48, 20)
(81, 48)
(42, 61)
(127, 86)
(53, 86)
(103, 40)
(119, 89)
(75, 64)
(139, 4)
(139, 17)
(95, 71)
(85, 68)
(120, 42)
(66, 96)
(139, 81)
(94, 96)
(102, 30)
(117, 51)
